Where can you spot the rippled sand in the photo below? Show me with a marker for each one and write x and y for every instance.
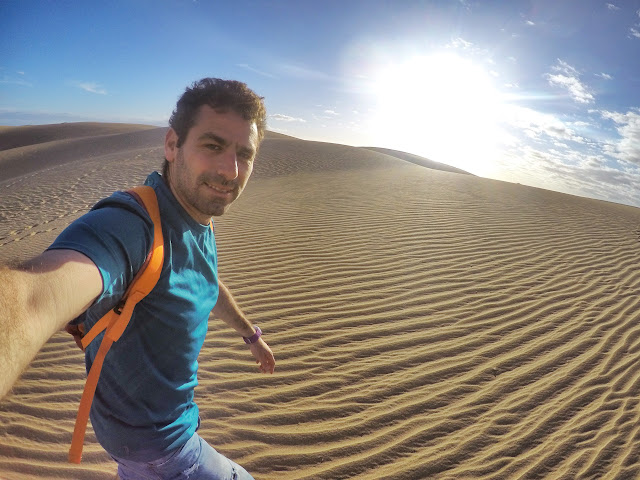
(427, 324)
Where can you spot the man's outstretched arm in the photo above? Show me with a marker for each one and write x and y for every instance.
(36, 300)
(229, 312)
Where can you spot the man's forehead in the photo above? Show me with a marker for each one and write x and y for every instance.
(226, 123)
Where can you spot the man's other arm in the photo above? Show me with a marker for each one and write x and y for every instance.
(37, 299)
(229, 312)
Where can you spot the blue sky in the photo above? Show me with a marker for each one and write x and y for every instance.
(541, 92)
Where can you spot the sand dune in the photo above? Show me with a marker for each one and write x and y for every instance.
(13, 137)
(72, 142)
(418, 160)
(427, 324)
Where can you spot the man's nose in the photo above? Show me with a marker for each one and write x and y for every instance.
(228, 165)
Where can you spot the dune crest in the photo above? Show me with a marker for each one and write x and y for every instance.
(418, 160)
(426, 324)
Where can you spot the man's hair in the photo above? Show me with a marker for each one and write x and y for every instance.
(222, 96)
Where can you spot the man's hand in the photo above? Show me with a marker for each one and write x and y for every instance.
(263, 355)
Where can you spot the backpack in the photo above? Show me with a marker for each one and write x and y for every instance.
(116, 320)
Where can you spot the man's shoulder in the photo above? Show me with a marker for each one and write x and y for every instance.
(117, 221)
(122, 204)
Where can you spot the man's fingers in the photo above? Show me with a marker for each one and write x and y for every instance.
(266, 366)
(263, 356)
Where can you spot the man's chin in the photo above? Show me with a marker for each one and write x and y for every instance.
(219, 213)
(218, 209)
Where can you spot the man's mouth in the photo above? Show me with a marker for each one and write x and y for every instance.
(220, 189)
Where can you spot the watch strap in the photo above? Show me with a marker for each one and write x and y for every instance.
(253, 338)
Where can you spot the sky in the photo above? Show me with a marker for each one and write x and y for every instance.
(545, 93)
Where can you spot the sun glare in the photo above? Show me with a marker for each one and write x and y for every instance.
(443, 107)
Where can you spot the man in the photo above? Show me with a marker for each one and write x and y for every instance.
(143, 411)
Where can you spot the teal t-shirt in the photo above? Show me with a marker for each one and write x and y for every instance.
(144, 405)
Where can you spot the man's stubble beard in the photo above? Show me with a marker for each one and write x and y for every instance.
(211, 208)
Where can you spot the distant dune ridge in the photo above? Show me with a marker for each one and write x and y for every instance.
(427, 324)
(410, 157)
(51, 145)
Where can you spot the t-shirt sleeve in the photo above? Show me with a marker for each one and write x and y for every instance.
(116, 235)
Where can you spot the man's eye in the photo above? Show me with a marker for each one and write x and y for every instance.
(212, 146)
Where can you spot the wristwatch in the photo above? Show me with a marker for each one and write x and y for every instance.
(253, 338)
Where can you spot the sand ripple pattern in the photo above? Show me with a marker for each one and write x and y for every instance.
(36, 207)
(433, 325)
(427, 325)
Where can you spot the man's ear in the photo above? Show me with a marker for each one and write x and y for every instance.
(170, 145)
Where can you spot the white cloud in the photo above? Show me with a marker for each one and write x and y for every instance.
(628, 127)
(326, 114)
(541, 126)
(286, 118)
(463, 45)
(460, 43)
(305, 73)
(580, 124)
(577, 91)
(605, 76)
(530, 23)
(6, 79)
(565, 68)
(569, 79)
(254, 70)
(634, 32)
(570, 171)
(91, 87)
(612, 7)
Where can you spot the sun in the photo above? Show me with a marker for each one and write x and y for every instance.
(441, 106)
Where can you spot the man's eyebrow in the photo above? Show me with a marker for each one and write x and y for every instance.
(250, 152)
(214, 137)
(218, 139)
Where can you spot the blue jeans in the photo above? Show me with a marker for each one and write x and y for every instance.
(196, 460)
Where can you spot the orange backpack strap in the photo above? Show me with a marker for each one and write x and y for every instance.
(115, 321)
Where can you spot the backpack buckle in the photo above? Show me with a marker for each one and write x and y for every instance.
(118, 308)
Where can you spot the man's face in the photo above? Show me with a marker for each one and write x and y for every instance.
(211, 168)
